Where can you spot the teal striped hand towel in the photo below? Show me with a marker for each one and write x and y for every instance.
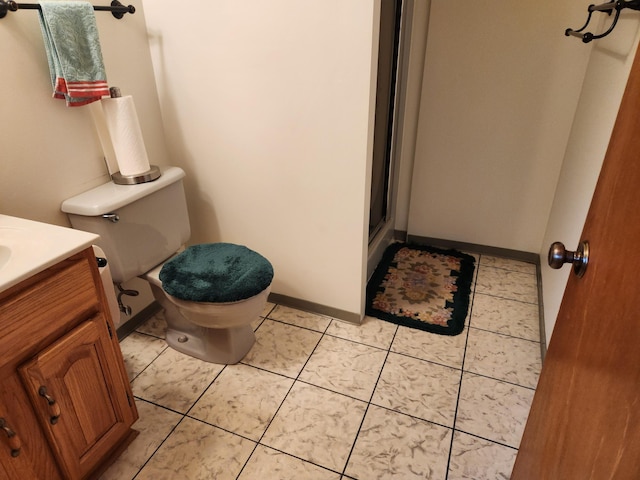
(73, 52)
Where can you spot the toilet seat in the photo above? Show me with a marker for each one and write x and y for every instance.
(216, 273)
(218, 314)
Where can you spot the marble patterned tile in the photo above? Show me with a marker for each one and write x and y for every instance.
(156, 325)
(344, 367)
(416, 387)
(393, 445)
(509, 317)
(493, 409)
(316, 425)
(175, 380)
(270, 464)
(444, 349)
(242, 400)
(267, 309)
(507, 284)
(256, 323)
(282, 348)
(300, 318)
(155, 424)
(502, 357)
(474, 458)
(139, 350)
(508, 264)
(372, 331)
(198, 451)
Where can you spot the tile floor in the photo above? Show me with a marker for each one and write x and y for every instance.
(318, 398)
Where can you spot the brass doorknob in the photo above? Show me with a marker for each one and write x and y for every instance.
(559, 255)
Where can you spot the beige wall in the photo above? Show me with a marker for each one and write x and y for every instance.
(50, 152)
(271, 120)
(604, 83)
(267, 106)
(522, 181)
(501, 83)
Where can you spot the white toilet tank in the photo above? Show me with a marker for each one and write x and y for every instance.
(140, 225)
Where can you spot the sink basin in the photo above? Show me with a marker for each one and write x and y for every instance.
(5, 255)
(15, 242)
(28, 247)
(11, 239)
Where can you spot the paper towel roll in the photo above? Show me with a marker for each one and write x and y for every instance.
(126, 136)
(100, 123)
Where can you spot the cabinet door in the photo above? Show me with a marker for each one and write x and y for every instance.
(24, 452)
(81, 399)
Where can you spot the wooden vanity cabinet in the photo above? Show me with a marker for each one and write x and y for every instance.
(26, 453)
(66, 407)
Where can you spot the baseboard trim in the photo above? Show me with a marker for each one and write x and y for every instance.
(312, 307)
(519, 255)
(131, 325)
(543, 333)
(400, 235)
(138, 319)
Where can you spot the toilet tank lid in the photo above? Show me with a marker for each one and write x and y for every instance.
(110, 196)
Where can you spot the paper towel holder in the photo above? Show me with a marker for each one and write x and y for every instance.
(149, 176)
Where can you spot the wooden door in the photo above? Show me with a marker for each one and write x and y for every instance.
(76, 388)
(585, 417)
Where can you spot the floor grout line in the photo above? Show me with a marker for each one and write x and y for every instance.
(355, 440)
(464, 357)
(389, 349)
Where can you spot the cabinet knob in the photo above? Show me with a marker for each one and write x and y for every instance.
(54, 408)
(14, 440)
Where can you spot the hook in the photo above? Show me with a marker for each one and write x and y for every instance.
(608, 8)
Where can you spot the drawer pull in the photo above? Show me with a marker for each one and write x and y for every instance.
(14, 440)
(54, 409)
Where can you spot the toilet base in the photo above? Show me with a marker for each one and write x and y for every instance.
(224, 346)
(216, 345)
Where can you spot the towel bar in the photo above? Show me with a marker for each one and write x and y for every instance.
(116, 8)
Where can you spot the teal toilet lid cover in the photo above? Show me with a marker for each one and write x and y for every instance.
(217, 273)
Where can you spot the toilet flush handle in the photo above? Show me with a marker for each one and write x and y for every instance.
(112, 217)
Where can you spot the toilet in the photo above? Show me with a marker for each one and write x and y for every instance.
(210, 293)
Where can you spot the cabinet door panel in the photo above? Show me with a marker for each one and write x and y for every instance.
(34, 459)
(84, 387)
(33, 317)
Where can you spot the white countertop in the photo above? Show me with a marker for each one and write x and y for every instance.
(28, 247)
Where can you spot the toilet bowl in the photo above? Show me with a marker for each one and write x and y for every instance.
(214, 332)
(209, 302)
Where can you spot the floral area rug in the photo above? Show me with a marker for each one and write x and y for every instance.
(422, 287)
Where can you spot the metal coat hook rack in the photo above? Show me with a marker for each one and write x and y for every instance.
(116, 8)
(608, 8)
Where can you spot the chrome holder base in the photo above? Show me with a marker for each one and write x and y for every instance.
(149, 176)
